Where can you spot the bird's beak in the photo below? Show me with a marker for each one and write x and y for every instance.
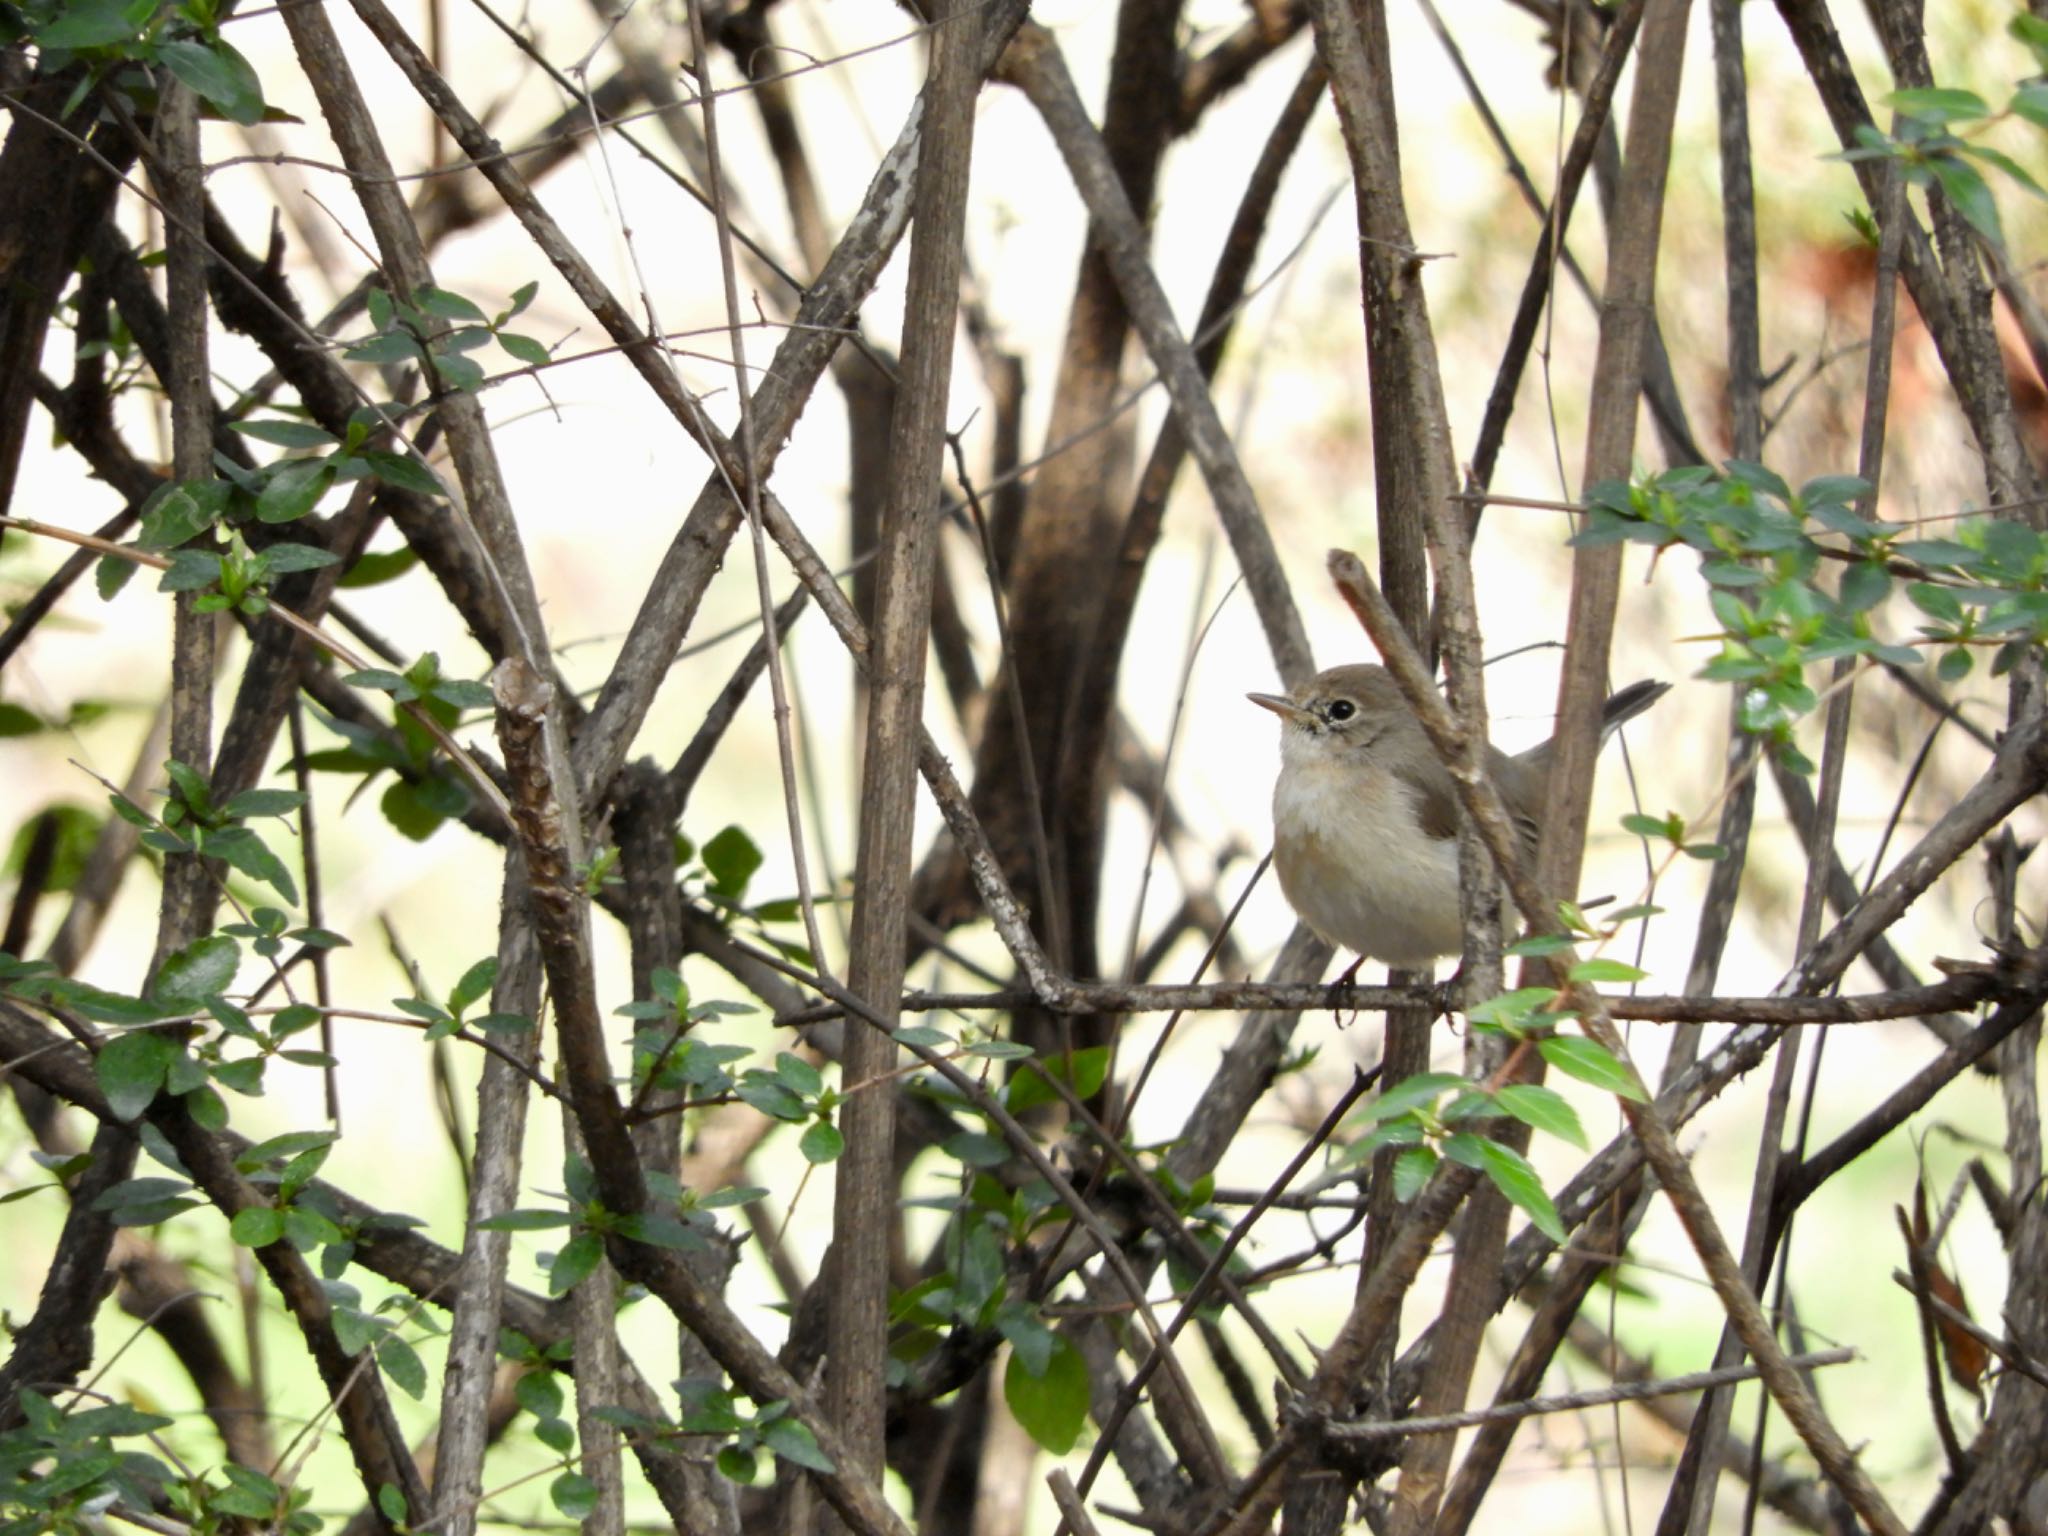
(1280, 704)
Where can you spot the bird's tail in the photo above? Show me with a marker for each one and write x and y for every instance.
(1631, 701)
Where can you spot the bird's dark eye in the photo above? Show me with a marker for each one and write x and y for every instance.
(1341, 709)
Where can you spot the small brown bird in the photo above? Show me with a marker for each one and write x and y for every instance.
(1365, 815)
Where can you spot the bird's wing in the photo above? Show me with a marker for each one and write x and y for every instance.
(1436, 795)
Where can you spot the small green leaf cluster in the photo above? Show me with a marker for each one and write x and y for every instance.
(709, 1409)
(1760, 550)
(1432, 1116)
(1439, 1115)
(437, 330)
(795, 1092)
(290, 488)
(471, 988)
(423, 682)
(147, 1057)
(121, 42)
(233, 575)
(357, 1329)
(1669, 828)
(426, 791)
(540, 1393)
(60, 1471)
(673, 1218)
(236, 577)
(244, 1074)
(193, 823)
(1045, 1382)
(667, 1057)
(1932, 148)
(718, 875)
(241, 1496)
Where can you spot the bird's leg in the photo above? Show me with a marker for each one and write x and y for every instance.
(1340, 991)
(1443, 997)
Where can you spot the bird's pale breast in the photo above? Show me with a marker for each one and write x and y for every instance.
(1354, 862)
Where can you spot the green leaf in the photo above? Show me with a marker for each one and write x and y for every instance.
(1939, 104)
(1412, 1170)
(977, 1149)
(574, 1495)
(290, 1144)
(90, 24)
(285, 559)
(402, 1364)
(1513, 1177)
(252, 856)
(2030, 101)
(201, 969)
(999, 1050)
(353, 1330)
(2032, 31)
(1052, 1404)
(144, 1191)
(524, 1221)
(463, 694)
(1543, 1109)
(1408, 1094)
(182, 511)
(384, 680)
(1591, 1062)
(574, 1264)
(385, 347)
(525, 349)
(1606, 970)
(447, 306)
(257, 1226)
(2012, 168)
(730, 859)
(287, 433)
(1865, 585)
(391, 1503)
(821, 1142)
(208, 1110)
(215, 71)
(377, 568)
(1971, 195)
(293, 489)
(1538, 944)
(1083, 1071)
(663, 1232)
(111, 575)
(264, 802)
(798, 1075)
(770, 1097)
(458, 372)
(131, 1068)
(475, 982)
(540, 1394)
(191, 570)
(1028, 1336)
(1511, 1010)
(792, 1441)
(408, 474)
(738, 1194)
